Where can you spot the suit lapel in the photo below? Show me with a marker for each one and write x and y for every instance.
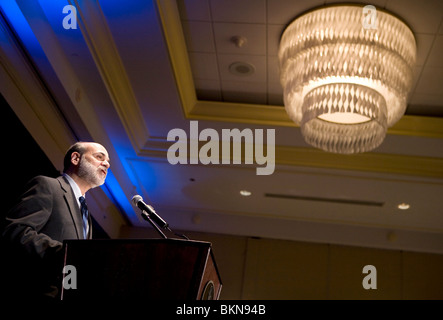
(90, 226)
(74, 210)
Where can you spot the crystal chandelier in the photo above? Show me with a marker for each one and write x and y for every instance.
(346, 75)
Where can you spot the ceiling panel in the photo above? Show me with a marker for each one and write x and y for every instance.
(245, 11)
(197, 10)
(281, 12)
(421, 16)
(199, 36)
(244, 92)
(434, 58)
(204, 66)
(255, 35)
(430, 82)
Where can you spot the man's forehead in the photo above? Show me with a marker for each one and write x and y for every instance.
(96, 147)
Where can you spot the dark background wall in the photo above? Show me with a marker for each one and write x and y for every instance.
(22, 158)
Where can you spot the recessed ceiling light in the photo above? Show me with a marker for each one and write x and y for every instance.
(403, 206)
(241, 68)
(245, 193)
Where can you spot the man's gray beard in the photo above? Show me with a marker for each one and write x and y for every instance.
(89, 173)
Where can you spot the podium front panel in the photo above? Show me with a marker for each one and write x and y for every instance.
(159, 269)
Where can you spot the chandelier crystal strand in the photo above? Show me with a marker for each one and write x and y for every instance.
(344, 84)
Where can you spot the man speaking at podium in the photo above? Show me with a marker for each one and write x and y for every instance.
(50, 211)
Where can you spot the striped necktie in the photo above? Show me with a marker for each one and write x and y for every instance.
(85, 216)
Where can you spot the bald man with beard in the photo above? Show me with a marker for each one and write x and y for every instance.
(48, 213)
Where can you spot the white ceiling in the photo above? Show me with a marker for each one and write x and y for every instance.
(129, 74)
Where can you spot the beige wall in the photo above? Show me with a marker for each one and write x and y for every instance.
(268, 269)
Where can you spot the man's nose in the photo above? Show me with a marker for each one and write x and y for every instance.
(106, 164)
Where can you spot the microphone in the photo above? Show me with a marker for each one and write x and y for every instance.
(137, 200)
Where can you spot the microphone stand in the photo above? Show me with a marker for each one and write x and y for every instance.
(146, 216)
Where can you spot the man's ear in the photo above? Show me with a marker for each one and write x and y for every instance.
(75, 158)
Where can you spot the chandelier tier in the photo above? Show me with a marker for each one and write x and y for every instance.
(345, 83)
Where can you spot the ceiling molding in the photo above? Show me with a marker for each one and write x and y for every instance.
(112, 71)
(240, 112)
(418, 126)
(63, 69)
(250, 113)
(371, 162)
(178, 54)
(420, 166)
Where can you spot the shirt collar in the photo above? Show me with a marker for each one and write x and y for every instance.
(75, 188)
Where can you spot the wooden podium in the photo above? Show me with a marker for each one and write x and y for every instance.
(156, 269)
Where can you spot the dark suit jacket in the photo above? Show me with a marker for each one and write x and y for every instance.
(47, 214)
